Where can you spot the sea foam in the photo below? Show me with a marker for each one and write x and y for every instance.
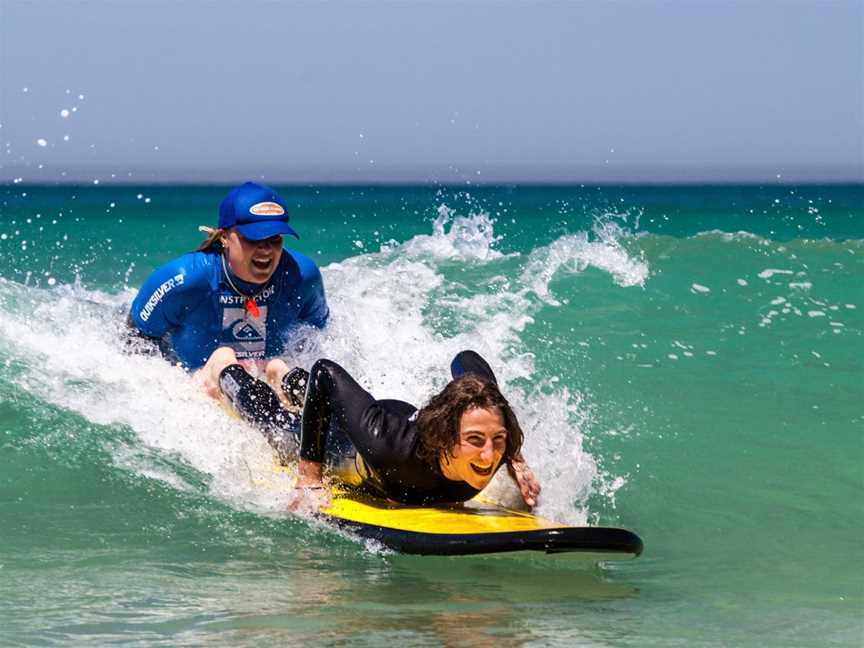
(66, 344)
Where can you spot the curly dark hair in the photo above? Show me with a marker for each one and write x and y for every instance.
(438, 422)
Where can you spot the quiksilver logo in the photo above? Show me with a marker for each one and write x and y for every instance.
(158, 294)
(267, 209)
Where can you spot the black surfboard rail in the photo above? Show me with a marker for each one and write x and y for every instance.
(559, 540)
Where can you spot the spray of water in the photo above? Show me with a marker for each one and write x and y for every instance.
(63, 345)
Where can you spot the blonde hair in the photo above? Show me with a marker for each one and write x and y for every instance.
(213, 242)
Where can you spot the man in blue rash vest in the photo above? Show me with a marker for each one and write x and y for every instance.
(226, 309)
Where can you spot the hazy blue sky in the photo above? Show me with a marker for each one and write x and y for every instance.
(431, 91)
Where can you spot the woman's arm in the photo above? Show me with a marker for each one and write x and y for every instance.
(332, 395)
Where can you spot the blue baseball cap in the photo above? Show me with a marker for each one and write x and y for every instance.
(256, 211)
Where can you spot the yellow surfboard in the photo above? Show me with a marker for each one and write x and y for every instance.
(476, 527)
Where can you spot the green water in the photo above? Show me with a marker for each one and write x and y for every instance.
(686, 362)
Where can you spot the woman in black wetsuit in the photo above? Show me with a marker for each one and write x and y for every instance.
(446, 452)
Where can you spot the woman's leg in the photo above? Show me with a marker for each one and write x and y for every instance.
(210, 372)
(274, 371)
(289, 384)
(334, 401)
(253, 400)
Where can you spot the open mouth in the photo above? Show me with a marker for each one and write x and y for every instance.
(483, 472)
(261, 264)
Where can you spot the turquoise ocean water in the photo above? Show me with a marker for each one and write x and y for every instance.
(686, 362)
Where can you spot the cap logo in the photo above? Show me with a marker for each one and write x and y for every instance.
(267, 209)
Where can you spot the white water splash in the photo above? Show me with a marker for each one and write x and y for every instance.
(66, 340)
(381, 331)
(573, 254)
(469, 237)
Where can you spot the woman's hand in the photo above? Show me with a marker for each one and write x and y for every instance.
(309, 494)
(525, 479)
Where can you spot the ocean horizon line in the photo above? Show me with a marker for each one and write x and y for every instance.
(416, 177)
(384, 183)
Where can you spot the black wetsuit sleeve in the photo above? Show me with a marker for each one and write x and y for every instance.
(471, 362)
(379, 430)
(332, 397)
(383, 432)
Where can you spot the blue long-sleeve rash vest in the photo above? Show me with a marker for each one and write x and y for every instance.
(192, 309)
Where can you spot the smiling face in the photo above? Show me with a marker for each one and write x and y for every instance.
(253, 261)
(481, 446)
